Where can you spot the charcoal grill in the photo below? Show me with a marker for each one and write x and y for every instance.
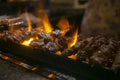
(52, 63)
(48, 62)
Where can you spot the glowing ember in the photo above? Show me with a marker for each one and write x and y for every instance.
(51, 75)
(27, 42)
(28, 22)
(72, 56)
(34, 68)
(73, 39)
(63, 24)
(58, 53)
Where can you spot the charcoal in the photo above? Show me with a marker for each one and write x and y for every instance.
(98, 41)
(86, 49)
(58, 45)
(56, 33)
(72, 50)
(75, 48)
(98, 58)
(51, 46)
(9, 38)
(16, 39)
(26, 33)
(37, 44)
(89, 46)
(62, 42)
(68, 52)
(22, 36)
(105, 55)
(81, 55)
(116, 63)
(95, 50)
(6, 33)
(114, 44)
(45, 36)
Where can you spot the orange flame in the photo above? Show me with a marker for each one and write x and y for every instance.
(51, 76)
(27, 42)
(73, 56)
(45, 20)
(58, 53)
(28, 22)
(63, 24)
(73, 40)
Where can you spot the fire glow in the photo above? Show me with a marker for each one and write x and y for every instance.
(44, 36)
(62, 40)
(27, 42)
(63, 24)
(28, 22)
(45, 21)
(73, 40)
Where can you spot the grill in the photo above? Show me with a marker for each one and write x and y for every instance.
(47, 63)
(57, 65)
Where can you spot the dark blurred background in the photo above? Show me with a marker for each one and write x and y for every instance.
(73, 10)
(54, 8)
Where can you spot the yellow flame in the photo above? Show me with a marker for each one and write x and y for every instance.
(72, 56)
(63, 24)
(28, 21)
(27, 42)
(73, 39)
(46, 24)
(47, 27)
